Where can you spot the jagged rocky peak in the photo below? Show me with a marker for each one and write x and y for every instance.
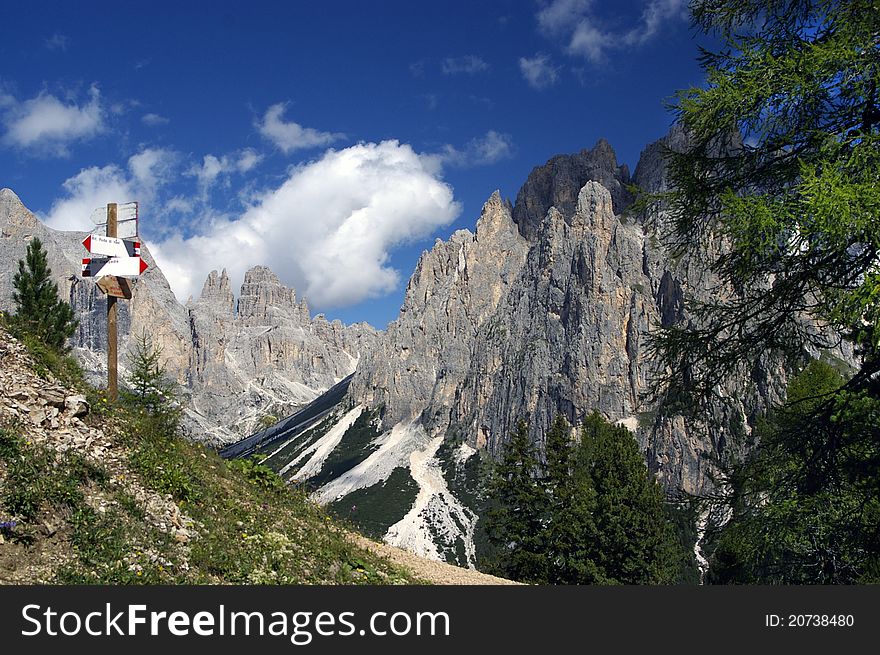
(13, 212)
(264, 298)
(652, 170)
(218, 293)
(558, 182)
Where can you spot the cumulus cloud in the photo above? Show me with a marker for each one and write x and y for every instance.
(154, 119)
(47, 125)
(328, 230)
(290, 136)
(468, 64)
(488, 149)
(586, 34)
(538, 71)
(95, 186)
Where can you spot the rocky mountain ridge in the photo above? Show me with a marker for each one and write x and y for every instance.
(546, 308)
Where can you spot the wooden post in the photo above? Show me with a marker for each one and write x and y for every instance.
(112, 380)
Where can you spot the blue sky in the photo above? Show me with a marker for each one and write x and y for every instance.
(332, 141)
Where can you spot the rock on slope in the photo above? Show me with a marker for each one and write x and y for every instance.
(237, 362)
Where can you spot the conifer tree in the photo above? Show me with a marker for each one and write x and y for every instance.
(515, 519)
(149, 386)
(591, 514)
(777, 190)
(39, 310)
(634, 541)
(571, 503)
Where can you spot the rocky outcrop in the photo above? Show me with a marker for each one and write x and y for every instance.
(558, 183)
(237, 361)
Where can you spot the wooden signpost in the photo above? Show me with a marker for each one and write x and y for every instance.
(112, 358)
(117, 258)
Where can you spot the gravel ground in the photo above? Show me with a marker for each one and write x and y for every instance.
(430, 570)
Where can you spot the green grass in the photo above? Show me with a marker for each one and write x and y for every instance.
(48, 362)
(37, 476)
(254, 529)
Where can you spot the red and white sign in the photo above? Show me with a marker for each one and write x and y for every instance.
(98, 244)
(122, 266)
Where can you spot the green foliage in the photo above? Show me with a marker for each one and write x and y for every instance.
(149, 387)
(781, 171)
(634, 540)
(258, 473)
(49, 362)
(514, 520)
(29, 489)
(590, 514)
(806, 503)
(39, 310)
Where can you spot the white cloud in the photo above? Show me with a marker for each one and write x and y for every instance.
(94, 187)
(482, 151)
(46, 125)
(248, 159)
(538, 71)
(212, 168)
(328, 230)
(469, 64)
(154, 119)
(290, 136)
(587, 35)
(57, 42)
(208, 171)
(559, 15)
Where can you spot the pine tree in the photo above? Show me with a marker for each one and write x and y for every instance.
(39, 310)
(515, 519)
(591, 514)
(633, 539)
(777, 189)
(149, 387)
(570, 525)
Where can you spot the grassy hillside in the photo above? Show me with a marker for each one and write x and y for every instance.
(113, 497)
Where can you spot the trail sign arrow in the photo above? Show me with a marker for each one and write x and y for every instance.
(91, 266)
(124, 266)
(132, 266)
(98, 244)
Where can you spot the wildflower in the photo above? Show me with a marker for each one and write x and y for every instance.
(7, 525)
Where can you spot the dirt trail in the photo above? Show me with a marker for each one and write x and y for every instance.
(430, 570)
